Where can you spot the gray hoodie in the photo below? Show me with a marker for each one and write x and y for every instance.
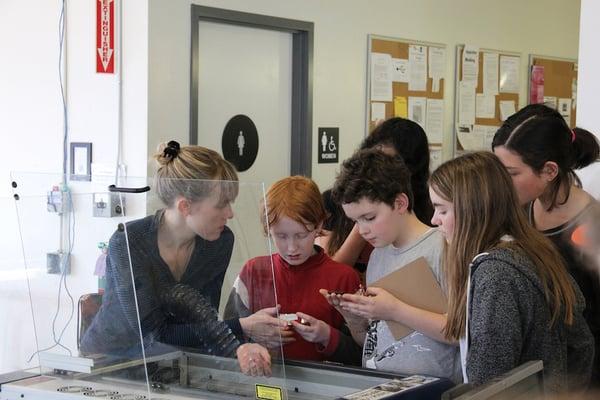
(509, 324)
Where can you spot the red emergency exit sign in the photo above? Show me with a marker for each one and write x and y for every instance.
(105, 36)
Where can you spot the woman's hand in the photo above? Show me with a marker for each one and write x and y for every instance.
(254, 360)
(314, 330)
(264, 327)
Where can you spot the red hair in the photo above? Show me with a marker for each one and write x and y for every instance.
(295, 197)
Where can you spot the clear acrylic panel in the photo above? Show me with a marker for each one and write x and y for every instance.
(16, 331)
(170, 324)
(160, 308)
(218, 227)
(61, 230)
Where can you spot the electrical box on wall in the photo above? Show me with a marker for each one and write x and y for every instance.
(57, 200)
(58, 263)
(108, 205)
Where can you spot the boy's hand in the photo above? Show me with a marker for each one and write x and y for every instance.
(335, 301)
(264, 327)
(315, 330)
(378, 304)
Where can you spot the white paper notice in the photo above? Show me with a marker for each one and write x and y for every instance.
(417, 110)
(509, 74)
(377, 111)
(490, 73)
(471, 141)
(399, 70)
(551, 101)
(507, 108)
(466, 103)
(485, 106)
(437, 66)
(488, 137)
(470, 64)
(478, 136)
(435, 158)
(381, 77)
(434, 127)
(574, 93)
(417, 68)
(564, 108)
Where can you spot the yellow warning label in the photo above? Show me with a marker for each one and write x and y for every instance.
(264, 392)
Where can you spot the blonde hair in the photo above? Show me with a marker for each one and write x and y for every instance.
(486, 208)
(193, 172)
(297, 198)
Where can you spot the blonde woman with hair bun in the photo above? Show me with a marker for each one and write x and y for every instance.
(179, 257)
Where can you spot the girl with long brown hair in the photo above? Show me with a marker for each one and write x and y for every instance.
(511, 299)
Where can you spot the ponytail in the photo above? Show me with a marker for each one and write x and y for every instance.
(585, 147)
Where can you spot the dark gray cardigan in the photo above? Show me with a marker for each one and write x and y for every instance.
(115, 328)
(509, 324)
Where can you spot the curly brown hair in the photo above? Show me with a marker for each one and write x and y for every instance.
(373, 175)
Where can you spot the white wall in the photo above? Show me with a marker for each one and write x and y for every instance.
(28, 109)
(31, 131)
(340, 46)
(589, 86)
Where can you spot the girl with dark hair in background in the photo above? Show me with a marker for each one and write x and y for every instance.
(397, 137)
(541, 153)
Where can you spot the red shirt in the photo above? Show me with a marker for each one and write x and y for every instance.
(297, 289)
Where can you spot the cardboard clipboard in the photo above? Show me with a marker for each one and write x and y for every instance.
(416, 285)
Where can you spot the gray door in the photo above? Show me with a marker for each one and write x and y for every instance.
(248, 71)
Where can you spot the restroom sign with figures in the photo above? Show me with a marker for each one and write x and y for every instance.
(328, 144)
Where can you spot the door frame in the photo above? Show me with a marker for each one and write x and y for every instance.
(302, 75)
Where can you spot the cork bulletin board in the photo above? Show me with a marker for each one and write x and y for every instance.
(476, 133)
(553, 81)
(410, 95)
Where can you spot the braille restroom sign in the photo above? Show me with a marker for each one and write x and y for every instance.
(240, 142)
(328, 144)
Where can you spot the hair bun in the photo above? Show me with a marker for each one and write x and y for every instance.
(171, 150)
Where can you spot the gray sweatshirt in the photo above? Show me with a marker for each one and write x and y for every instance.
(509, 324)
(415, 353)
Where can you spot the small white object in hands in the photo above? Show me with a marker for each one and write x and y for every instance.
(289, 318)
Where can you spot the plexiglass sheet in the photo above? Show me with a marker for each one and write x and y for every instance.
(168, 259)
(62, 231)
(17, 339)
(161, 290)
